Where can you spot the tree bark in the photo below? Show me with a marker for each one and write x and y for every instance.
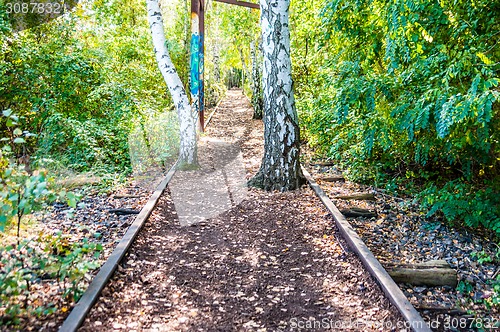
(244, 70)
(257, 98)
(216, 56)
(187, 118)
(280, 168)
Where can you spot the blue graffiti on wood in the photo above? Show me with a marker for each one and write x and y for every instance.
(195, 64)
(201, 74)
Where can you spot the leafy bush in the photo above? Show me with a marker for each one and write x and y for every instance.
(409, 89)
(23, 192)
(492, 299)
(458, 201)
(80, 89)
(154, 143)
(26, 268)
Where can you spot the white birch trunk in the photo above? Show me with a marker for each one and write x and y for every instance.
(187, 118)
(280, 169)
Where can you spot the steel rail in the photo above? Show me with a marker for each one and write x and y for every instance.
(213, 112)
(89, 298)
(390, 288)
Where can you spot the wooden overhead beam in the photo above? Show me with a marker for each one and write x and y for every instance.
(241, 3)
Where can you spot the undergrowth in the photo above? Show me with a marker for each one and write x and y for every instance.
(30, 264)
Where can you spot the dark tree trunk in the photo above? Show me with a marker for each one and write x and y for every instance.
(257, 94)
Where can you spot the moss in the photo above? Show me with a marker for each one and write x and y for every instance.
(185, 166)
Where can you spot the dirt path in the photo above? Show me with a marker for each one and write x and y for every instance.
(265, 262)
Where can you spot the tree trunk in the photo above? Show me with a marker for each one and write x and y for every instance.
(280, 168)
(244, 70)
(216, 56)
(187, 118)
(257, 98)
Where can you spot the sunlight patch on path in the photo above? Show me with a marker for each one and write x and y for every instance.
(217, 187)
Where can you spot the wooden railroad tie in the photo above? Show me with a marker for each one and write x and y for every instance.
(357, 196)
(431, 273)
(333, 178)
(126, 196)
(123, 212)
(322, 163)
(358, 212)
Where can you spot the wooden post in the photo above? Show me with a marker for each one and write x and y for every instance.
(202, 65)
(431, 273)
(197, 70)
(195, 56)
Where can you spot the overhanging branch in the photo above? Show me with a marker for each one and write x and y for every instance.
(241, 3)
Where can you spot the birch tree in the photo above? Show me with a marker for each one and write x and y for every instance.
(280, 168)
(257, 99)
(187, 117)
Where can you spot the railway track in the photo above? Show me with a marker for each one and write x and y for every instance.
(411, 317)
(81, 309)
(390, 288)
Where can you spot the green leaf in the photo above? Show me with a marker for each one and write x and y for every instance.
(11, 123)
(7, 112)
(3, 222)
(19, 140)
(71, 199)
(13, 197)
(18, 132)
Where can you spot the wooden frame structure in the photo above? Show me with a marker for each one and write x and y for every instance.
(197, 67)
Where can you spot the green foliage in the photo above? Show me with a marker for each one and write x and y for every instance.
(431, 96)
(409, 89)
(84, 82)
(458, 201)
(23, 192)
(495, 300)
(227, 46)
(464, 287)
(483, 258)
(79, 82)
(155, 143)
(26, 267)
